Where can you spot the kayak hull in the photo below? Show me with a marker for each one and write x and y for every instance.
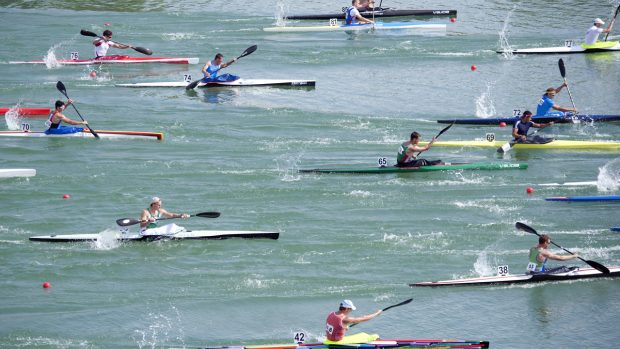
(615, 228)
(556, 144)
(377, 344)
(17, 172)
(585, 198)
(236, 83)
(570, 184)
(85, 134)
(184, 235)
(117, 60)
(384, 12)
(380, 26)
(443, 167)
(578, 273)
(606, 46)
(537, 119)
(28, 111)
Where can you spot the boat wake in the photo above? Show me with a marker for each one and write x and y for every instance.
(12, 118)
(609, 177)
(50, 59)
(160, 330)
(484, 103)
(106, 240)
(282, 8)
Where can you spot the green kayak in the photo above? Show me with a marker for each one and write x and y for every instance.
(441, 167)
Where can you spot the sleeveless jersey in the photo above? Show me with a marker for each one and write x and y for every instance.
(334, 328)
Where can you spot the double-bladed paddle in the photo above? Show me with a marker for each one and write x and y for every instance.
(248, 51)
(570, 95)
(440, 133)
(143, 50)
(125, 222)
(393, 306)
(61, 87)
(613, 20)
(603, 269)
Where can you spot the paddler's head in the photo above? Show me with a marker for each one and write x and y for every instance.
(599, 22)
(550, 92)
(219, 58)
(415, 137)
(526, 116)
(346, 306)
(59, 105)
(155, 203)
(107, 34)
(544, 240)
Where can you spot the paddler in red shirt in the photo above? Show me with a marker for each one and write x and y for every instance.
(338, 322)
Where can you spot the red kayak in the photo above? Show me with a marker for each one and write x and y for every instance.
(35, 112)
(117, 59)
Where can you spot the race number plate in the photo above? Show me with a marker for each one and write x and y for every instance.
(187, 78)
(502, 270)
(531, 266)
(333, 22)
(300, 337)
(25, 127)
(569, 43)
(75, 56)
(490, 137)
(382, 162)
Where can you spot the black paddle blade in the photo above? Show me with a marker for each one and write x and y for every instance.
(193, 85)
(125, 222)
(61, 87)
(562, 68)
(446, 128)
(208, 214)
(143, 50)
(88, 33)
(249, 51)
(399, 304)
(526, 228)
(598, 266)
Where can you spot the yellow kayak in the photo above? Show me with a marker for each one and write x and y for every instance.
(581, 145)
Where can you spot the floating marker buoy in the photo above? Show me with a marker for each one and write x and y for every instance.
(46, 285)
(452, 19)
(66, 196)
(502, 124)
(529, 190)
(473, 67)
(93, 74)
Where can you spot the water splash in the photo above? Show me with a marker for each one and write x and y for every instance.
(106, 240)
(288, 167)
(609, 177)
(282, 8)
(13, 119)
(160, 330)
(483, 266)
(50, 59)
(484, 103)
(503, 36)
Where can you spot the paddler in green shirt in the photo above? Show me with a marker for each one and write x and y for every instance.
(539, 255)
(149, 216)
(406, 153)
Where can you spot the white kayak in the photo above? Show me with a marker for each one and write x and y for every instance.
(17, 172)
(570, 184)
(379, 26)
(236, 83)
(182, 235)
(569, 47)
(85, 134)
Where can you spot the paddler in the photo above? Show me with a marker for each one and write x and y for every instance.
(211, 69)
(539, 254)
(338, 322)
(353, 16)
(596, 29)
(406, 156)
(366, 5)
(150, 215)
(547, 103)
(103, 43)
(56, 118)
(521, 128)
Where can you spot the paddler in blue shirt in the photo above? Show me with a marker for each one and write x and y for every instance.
(211, 69)
(539, 254)
(56, 118)
(521, 128)
(353, 16)
(547, 103)
(406, 153)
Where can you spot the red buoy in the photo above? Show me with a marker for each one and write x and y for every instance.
(502, 124)
(452, 19)
(46, 285)
(66, 196)
(529, 190)
(93, 74)
(473, 67)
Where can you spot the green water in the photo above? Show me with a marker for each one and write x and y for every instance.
(238, 151)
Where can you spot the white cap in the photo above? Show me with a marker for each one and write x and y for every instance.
(347, 304)
(599, 21)
(155, 199)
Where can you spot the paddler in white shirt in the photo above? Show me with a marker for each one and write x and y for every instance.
(338, 322)
(539, 254)
(353, 16)
(149, 218)
(406, 156)
(596, 29)
(104, 43)
(56, 118)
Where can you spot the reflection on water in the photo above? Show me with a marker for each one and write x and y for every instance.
(543, 314)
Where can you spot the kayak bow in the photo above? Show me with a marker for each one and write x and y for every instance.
(86, 134)
(601, 46)
(585, 198)
(17, 172)
(183, 235)
(538, 119)
(443, 167)
(117, 60)
(236, 83)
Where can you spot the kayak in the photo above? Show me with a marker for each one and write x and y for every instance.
(615, 228)
(236, 83)
(442, 167)
(570, 184)
(376, 344)
(585, 198)
(538, 119)
(580, 145)
(116, 59)
(17, 172)
(379, 26)
(85, 134)
(379, 12)
(570, 47)
(183, 235)
(28, 111)
(573, 274)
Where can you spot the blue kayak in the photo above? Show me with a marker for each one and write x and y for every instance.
(585, 198)
(615, 229)
(538, 119)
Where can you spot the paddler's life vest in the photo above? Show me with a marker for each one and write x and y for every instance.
(534, 265)
(350, 18)
(213, 69)
(334, 328)
(101, 48)
(402, 157)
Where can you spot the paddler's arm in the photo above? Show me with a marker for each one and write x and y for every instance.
(539, 125)
(356, 320)
(557, 257)
(363, 20)
(558, 108)
(145, 219)
(117, 45)
(71, 122)
(417, 149)
(204, 69)
(228, 63)
(173, 215)
(516, 135)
